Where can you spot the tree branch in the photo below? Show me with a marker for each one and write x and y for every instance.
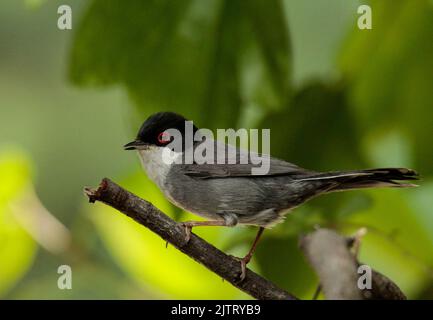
(329, 254)
(336, 267)
(215, 260)
(383, 288)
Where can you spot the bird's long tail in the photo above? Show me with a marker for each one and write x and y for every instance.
(369, 178)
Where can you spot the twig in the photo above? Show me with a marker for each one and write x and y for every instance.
(317, 292)
(357, 241)
(215, 260)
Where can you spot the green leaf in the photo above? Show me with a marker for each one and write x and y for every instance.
(269, 72)
(17, 248)
(203, 59)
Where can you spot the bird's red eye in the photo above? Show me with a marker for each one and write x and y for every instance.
(164, 138)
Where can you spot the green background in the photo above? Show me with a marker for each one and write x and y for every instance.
(334, 96)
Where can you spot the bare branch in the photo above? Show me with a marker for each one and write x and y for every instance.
(336, 267)
(330, 256)
(146, 214)
(383, 289)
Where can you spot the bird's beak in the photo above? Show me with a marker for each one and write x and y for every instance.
(136, 145)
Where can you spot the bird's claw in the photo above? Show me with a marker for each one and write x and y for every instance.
(188, 227)
(243, 261)
(243, 270)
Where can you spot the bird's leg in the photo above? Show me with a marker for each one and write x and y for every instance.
(227, 222)
(245, 260)
(188, 225)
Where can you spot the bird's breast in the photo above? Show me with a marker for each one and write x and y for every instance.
(155, 164)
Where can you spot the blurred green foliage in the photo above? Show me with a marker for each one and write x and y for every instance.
(17, 248)
(210, 59)
(391, 71)
(334, 96)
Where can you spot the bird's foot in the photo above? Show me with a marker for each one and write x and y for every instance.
(243, 269)
(188, 227)
(243, 261)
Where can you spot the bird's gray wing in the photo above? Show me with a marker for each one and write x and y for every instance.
(241, 166)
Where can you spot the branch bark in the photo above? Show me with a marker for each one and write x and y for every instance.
(329, 255)
(146, 214)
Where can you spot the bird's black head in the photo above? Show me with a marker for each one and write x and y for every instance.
(152, 130)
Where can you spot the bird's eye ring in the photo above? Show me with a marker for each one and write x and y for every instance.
(164, 137)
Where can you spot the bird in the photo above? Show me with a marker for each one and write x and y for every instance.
(229, 194)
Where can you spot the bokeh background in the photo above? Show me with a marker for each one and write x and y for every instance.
(334, 96)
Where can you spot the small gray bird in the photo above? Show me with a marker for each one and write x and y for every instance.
(229, 194)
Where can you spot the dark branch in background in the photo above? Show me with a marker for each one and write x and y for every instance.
(383, 289)
(215, 260)
(330, 256)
